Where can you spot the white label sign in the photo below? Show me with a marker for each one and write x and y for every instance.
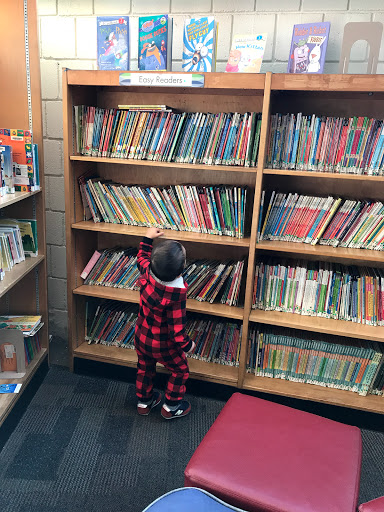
(162, 79)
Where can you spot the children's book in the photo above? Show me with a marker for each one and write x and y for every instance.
(28, 324)
(8, 361)
(7, 177)
(10, 388)
(308, 47)
(199, 52)
(113, 42)
(21, 142)
(246, 53)
(155, 43)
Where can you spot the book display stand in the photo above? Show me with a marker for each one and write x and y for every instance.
(328, 95)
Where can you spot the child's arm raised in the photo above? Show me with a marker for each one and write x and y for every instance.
(176, 315)
(144, 254)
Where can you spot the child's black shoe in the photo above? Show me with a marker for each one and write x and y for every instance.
(144, 408)
(183, 409)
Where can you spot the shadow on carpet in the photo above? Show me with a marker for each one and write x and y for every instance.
(80, 446)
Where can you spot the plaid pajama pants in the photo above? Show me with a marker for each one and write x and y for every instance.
(173, 359)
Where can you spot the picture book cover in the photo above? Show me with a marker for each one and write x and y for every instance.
(155, 43)
(246, 54)
(199, 44)
(8, 361)
(113, 42)
(22, 154)
(6, 164)
(308, 47)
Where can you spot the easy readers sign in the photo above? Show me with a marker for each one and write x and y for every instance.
(162, 79)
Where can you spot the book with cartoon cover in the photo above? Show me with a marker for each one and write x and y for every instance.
(199, 42)
(113, 42)
(308, 47)
(155, 43)
(246, 53)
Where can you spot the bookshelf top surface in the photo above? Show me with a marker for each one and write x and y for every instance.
(244, 81)
(212, 80)
(322, 82)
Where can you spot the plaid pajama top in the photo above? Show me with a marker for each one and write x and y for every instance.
(162, 314)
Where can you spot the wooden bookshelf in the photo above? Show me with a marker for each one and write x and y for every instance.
(24, 288)
(322, 94)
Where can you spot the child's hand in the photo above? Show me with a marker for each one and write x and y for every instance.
(190, 351)
(154, 233)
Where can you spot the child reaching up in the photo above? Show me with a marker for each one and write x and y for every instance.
(160, 329)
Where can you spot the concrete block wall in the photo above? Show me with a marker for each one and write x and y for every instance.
(68, 39)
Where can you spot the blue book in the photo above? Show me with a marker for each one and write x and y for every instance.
(113, 42)
(199, 44)
(9, 388)
(6, 165)
(155, 43)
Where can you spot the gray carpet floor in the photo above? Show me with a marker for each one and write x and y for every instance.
(80, 446)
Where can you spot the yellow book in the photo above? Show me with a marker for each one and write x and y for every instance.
(327, 221)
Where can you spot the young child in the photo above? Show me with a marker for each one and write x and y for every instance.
(159, 334)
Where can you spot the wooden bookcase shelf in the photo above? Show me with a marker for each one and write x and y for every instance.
(183, 236)
(8, 401)
(324, 175)
(211, 372)
(163, 165)
(222, 92)
(105, 292)
(326, 252)
(23, 291)
(18, 272)
(318, 324)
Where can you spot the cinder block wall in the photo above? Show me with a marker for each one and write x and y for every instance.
(68, 39)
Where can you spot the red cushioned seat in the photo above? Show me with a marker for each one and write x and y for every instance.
(373, 506)
(262, 456)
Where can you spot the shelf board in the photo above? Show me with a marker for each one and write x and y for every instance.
(9, 199)
(201, 370)
(324, 175)
(184, 236)
(212, 80)
(105, 292)
(325, 82)
(323, 251)
(18, 272)
(166, 165)
(7, 401)
(318, 324)
(369, 403)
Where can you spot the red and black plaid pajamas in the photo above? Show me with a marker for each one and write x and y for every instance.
(160, 332)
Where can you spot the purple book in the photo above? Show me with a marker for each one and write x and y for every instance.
(308, 47)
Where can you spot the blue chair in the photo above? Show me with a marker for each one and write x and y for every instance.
(189, 499)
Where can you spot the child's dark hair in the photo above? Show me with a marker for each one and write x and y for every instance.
(168, 260)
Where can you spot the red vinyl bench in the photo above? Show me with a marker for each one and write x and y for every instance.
(266, 457)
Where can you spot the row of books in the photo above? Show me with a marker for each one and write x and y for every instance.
(328, 220)
(344, 363)
(112, 323)
(323, 289)
(218, 210)
(329, 144)
(167, 136)
(18, 239)
(210, 280)
(19, 162)
(207, 280)
(216, 341)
